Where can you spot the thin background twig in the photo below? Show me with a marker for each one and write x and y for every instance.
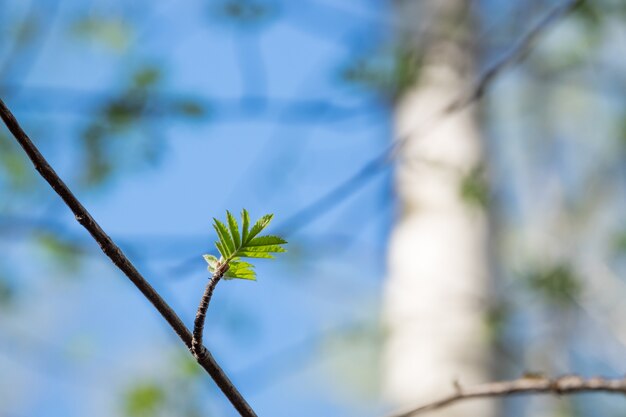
(568, 384)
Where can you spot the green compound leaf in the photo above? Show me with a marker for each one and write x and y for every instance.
(259, 226)
(234, 229)
(266, 240)
(234, 244)
(227, 242)
(221, 249)
(245, 225)
(261, 251)
(241, 270)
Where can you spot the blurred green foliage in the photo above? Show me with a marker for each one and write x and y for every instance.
(187, 366)
(354, 355)
(124, 133)
(7, 289)
(15, 170)
(496, 320)
(558, 283)
(111, 32)
(119, 120)
(590, 15)
(67, 255)
(144, 400)
(618, 244)
(173, 391)
(26, 30)
(474, 188)
(245, 13)
(389, 72)
(190, 108)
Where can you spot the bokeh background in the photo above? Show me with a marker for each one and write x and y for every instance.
(162, 115)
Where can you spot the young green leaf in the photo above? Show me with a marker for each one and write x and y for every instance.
(266, 240)
(259, 226)
(261, 251)
(222, 250)
(234, 244)
(225, 239)
(234, 229)
(245, 225)
(241, 270)
(212, 261)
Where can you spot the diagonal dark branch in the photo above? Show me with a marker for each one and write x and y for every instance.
(205, 359)
(565, 385)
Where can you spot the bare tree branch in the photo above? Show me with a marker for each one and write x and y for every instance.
(515, 54)
(565, 385)
(205, 359)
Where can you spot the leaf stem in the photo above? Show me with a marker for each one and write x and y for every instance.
(198, 325)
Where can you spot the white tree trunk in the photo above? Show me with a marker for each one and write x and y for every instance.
(437, 263)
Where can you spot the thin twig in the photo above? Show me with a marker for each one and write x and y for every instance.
(198, 324)
(205, 359)
(565, 385)
(515, 54)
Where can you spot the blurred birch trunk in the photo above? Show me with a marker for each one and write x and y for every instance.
(437, 262)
